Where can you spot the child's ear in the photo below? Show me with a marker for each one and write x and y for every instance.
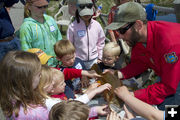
(117, 57)
(59, 59)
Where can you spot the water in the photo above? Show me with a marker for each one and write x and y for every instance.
(168, 17)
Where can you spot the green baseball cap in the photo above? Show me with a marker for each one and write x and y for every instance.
(85, 10)
(125, 13)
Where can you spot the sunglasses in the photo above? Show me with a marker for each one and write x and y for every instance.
(123, 30)
(40, 7)
(82, 6)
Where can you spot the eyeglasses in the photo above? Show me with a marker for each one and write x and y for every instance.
(123, 30)
(40, 7)
(82, 6)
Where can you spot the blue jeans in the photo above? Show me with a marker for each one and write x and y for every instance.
(9, 46)
(68, 92)
(171, 100)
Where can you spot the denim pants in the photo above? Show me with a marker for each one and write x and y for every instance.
(69, 89)
(171, 100)
(9, 46)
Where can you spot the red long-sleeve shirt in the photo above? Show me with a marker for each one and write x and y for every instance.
(70, 73)
(163, 43)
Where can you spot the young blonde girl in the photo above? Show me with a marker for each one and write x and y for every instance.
(19, 78)
(55, 87)
(46, 85)
(39, 30)
(59, 87)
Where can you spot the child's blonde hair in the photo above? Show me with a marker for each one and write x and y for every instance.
(17, 71)
(46, 79)
(27, 12)
(69, 110)
(112, 48)
(57, 74)
(63, 47)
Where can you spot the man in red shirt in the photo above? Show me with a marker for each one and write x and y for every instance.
(155, 45)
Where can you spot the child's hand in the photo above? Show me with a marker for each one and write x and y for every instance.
(113, 116)
(91, 74)
(120, 75)
(128, 114)
(101, 110)
(84, 82)
(101, 88)
(109, 71)
(99, 61)
(92, 87)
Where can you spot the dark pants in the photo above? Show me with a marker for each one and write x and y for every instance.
(9, 46)
(69, 89)
(171, 100)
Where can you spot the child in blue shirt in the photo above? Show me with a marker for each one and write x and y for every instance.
(65, 52)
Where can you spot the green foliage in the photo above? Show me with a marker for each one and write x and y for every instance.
(165, 3)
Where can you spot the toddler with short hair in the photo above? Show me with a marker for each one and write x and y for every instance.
(111, 53)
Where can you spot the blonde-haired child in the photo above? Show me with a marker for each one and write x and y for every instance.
(19, 78)
(38, 29)
(56, 86)
(111, 52)
(45, 86)
(59, 86)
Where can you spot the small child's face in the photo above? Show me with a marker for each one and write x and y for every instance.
(108, 59)
(68, 60)
(59, 85)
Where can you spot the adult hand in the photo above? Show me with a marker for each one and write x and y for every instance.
(122, 92)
